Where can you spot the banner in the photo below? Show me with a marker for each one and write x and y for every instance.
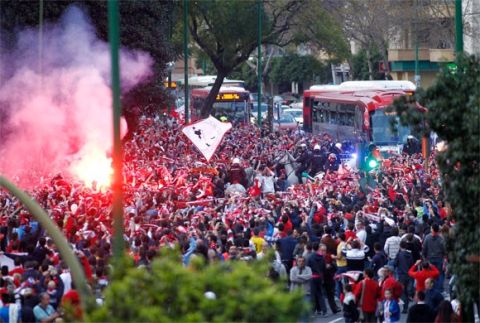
(207, 135)
(376, 218)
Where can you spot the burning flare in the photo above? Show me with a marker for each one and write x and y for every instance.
(94, 168)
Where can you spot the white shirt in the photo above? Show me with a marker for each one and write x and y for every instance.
(392, 247)
(67, 281)
(362, 235)
(268, 184)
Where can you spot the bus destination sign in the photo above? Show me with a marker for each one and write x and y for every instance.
(227, 96)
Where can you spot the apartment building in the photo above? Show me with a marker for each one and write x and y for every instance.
(431, 27)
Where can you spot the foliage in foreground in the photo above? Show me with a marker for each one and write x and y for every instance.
(453, 104)
(170, 292)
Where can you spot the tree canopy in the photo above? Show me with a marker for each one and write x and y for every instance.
(220, 292)
(453, 104)
(296, 68)
(214, 26)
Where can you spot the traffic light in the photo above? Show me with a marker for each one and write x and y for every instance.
(372, 161)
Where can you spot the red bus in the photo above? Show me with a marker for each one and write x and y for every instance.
(231, 103)
(355, 116)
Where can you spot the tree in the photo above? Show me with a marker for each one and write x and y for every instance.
(296, 68)
(268, 51)
(244, 72)
(219, 292)
(317, 28)
(453, 104)
(144, 25)
(361, 66)
(227, 32)
(372, 24)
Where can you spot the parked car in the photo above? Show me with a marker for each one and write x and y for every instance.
(288, 98)
(286, 122)
(263, 110)
(297, 114)
(254, 97)
(297, 105)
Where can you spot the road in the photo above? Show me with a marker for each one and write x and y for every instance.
(339, 318)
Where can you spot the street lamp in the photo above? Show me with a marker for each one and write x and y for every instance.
(185, 54)
(259, 64)
(417, 73)
(458, 27)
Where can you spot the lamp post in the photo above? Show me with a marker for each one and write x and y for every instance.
(114, 39)
(40, 41)
(185, 54)
(417, 73)
(458, 27)
(259, 63)
(169, 67)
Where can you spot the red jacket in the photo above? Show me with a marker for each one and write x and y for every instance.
(422, 275)
(350, 234)
(394, 286)
(370, 296)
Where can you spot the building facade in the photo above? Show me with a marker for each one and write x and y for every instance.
(432, 31)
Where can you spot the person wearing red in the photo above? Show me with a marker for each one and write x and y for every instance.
(426, 271)
(349, 233)
(288, 226)
(367, 293)
(390, 283)
(18, 269)
(71, 302)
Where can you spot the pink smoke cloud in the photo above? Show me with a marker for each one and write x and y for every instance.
(56, 119)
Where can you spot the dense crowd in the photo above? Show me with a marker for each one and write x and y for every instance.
(369, 243)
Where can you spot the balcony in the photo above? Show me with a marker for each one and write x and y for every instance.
(441, 55)
(424, 54)
(408, 54)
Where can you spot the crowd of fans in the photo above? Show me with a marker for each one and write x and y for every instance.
(367, 243)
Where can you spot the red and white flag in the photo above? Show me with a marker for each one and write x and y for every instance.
(207, 135)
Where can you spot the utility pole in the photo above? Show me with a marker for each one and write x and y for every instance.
(114, 39)
(259, 63)
(458, 27)
(169, 108)
(40, 41)
(417, 73)
(185, 55)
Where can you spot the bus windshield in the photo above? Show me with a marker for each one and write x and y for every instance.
(232, 110)
(382, 130)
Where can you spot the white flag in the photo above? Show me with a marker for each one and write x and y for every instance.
(207, 135)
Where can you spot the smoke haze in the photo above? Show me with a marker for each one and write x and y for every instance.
(51, 121)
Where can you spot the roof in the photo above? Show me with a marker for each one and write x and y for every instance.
(225, 89)
(379, 85)
(366, 85)
(207, 80)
